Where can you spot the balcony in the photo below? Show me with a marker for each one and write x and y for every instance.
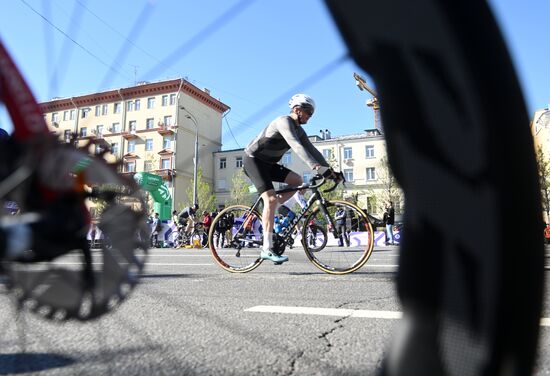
(99, 139)
(130, 156)
(131, 135)
(165, 152)
(165, 129)
(166, 173)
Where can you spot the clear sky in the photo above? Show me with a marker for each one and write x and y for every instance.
(251, 54)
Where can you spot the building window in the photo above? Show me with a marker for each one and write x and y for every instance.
(149, 123)
(83, 131)
(104, 109)
(97, 110)
(172, 99)
(67, 135)
(239, 162)
(223, 163)
(117, 108)
(165, 164)
(151, 102)
(84, 113)
(115, 128)
(131, 166)
(348, 153)
(165, 100)
(137, 104)
(73, 113)
(99, 131)
(131, 146)
(371, 174)
(133, 126)
(369, 151)
(55, 117)
(65, 115)
(348, 174)
(327, 153)
(147, 165)
(130, 106)
(220, 184)
(166, 143)
(114, 148)
(287, 158)
(168, 120)
(149, 144)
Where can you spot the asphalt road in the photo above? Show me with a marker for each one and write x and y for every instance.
(189, 317)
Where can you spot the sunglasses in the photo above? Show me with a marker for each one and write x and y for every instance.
(307, 110)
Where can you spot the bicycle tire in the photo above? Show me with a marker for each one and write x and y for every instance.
(351, 254)
(447, 85)
(237, 257)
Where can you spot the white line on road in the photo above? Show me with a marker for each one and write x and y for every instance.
(342, 312)
(176, 264)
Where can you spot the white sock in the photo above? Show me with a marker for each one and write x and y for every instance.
(268, 241)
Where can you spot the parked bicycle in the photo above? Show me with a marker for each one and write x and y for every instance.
(333, 248)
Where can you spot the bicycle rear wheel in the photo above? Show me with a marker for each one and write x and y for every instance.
(232, 248)
(346, 254)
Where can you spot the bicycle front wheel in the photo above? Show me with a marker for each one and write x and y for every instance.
(233, 247)
(346, 253)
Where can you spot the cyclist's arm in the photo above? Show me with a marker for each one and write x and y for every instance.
(301, 145)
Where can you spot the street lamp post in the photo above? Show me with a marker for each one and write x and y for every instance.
(196, 164)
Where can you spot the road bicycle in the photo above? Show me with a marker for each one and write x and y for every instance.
(321, 237)
(53, 184)
(198, 236)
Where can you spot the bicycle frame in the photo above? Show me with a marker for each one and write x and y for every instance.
(286, 234)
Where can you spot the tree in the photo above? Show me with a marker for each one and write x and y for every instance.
(338, 193)
(240, 192)
(205, 196)
(544, 179)
(390, 189)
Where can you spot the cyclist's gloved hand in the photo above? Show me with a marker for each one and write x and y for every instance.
(327, 172)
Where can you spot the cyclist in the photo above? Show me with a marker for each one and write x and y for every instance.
(187, 218)
(263, 153)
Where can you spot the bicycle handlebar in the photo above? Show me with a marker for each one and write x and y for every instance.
(339, 179)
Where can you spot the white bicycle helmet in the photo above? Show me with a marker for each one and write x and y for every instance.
(301, 100)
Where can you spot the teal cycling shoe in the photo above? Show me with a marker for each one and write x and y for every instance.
(268, 255)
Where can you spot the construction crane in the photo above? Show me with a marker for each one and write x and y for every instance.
(373, 102)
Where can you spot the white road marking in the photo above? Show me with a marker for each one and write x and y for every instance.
(342, 312)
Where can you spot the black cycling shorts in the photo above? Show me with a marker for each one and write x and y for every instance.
(263, 174)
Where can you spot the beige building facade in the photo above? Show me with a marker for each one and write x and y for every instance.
(361, 157)
(150, 127)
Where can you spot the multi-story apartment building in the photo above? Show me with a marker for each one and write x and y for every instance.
(149, 127)
(361, 157)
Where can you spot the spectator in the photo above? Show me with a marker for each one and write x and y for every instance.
(156, 227)
(341, 217)
(389, 220)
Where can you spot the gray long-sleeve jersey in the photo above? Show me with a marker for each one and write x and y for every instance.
(278, 137)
